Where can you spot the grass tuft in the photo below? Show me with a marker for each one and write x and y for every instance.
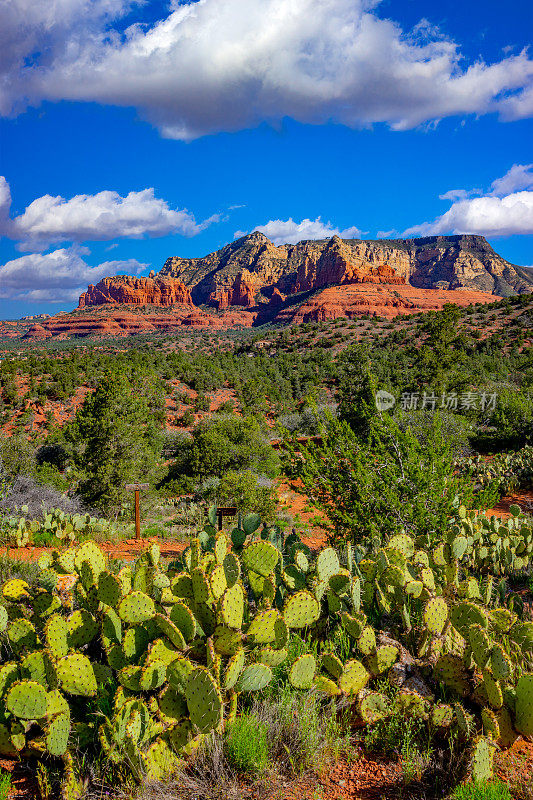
(247, 744)
(486, 790)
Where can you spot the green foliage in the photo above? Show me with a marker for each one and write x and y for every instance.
(247, 744)
(506, 471)
(117, 438)
(244, 490)
(222, 444)
(439, 360)
(510, 424)
(374, 488)
(5, 785)
(488, 790)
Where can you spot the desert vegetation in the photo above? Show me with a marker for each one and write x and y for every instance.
(398, 629)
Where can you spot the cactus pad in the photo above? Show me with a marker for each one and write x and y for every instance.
(232, 569)
(217, 581)
(178, 673)
(76, 675)
(16, 590)
(171, 631)
(441, 716)
(493, 689)
(326, 686)
(130, 678)
(405, 544)
(232, 606)
(136, 607)
(181, 586)
(82, 628)
(480, 644)
(270, 656)
(367, 641)
(524, 704)
(134, 643)
(302, 672)
(332, 664)
(450, 670)
(200, 585)
(327, 564)
(260, 557)
(353, 625)
(374, 706)
(262, 629)
(33, 668)
(89, 552)
(382, 659)
(354, 677)
(27, 700)
(482, 758)
(490, 724)
(22, 635)
(500, 663)
(153, 675)
(203, 700)
(254, 677)
(56, 635)
(301, 610)
(172, 704)
(436, 615)
(226, 641)
(57, 734)
(464, 615)
(110, 589)
(183, 618)
(234, 668)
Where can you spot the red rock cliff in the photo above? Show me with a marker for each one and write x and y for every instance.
(136, 291)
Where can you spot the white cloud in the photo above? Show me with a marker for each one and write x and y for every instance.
(97, 217)
(57, 276)
(506, 211)
(225, 65)
(287, 231)
(520, 176)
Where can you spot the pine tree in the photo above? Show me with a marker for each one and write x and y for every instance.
(117, 435)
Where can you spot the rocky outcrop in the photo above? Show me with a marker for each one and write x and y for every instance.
(241, 292)
(104, 322)
(357, 300)
(435, 262)
(124, 289)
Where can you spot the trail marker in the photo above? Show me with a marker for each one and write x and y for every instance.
(137, 488)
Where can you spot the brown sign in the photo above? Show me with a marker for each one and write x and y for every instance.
(137, 487)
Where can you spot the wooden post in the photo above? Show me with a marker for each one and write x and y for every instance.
(137, 516)
(137, 487)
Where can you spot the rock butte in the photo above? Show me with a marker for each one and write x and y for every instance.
(252, 281)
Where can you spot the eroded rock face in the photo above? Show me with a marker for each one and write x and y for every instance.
(125, 289)
(436, 262)
(361, 299)
(241, 292)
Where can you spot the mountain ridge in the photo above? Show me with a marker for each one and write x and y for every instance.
(462, 261)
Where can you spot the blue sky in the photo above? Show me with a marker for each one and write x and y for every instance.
(132, 132)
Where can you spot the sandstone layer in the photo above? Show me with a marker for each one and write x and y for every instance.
(377, 300)
(124, 289)
(254, 266)
(108, 323)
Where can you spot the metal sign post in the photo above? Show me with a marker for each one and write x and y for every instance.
(137, 488)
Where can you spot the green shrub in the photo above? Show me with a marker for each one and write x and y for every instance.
(5, 785)
(487, 790)
(247, 744)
